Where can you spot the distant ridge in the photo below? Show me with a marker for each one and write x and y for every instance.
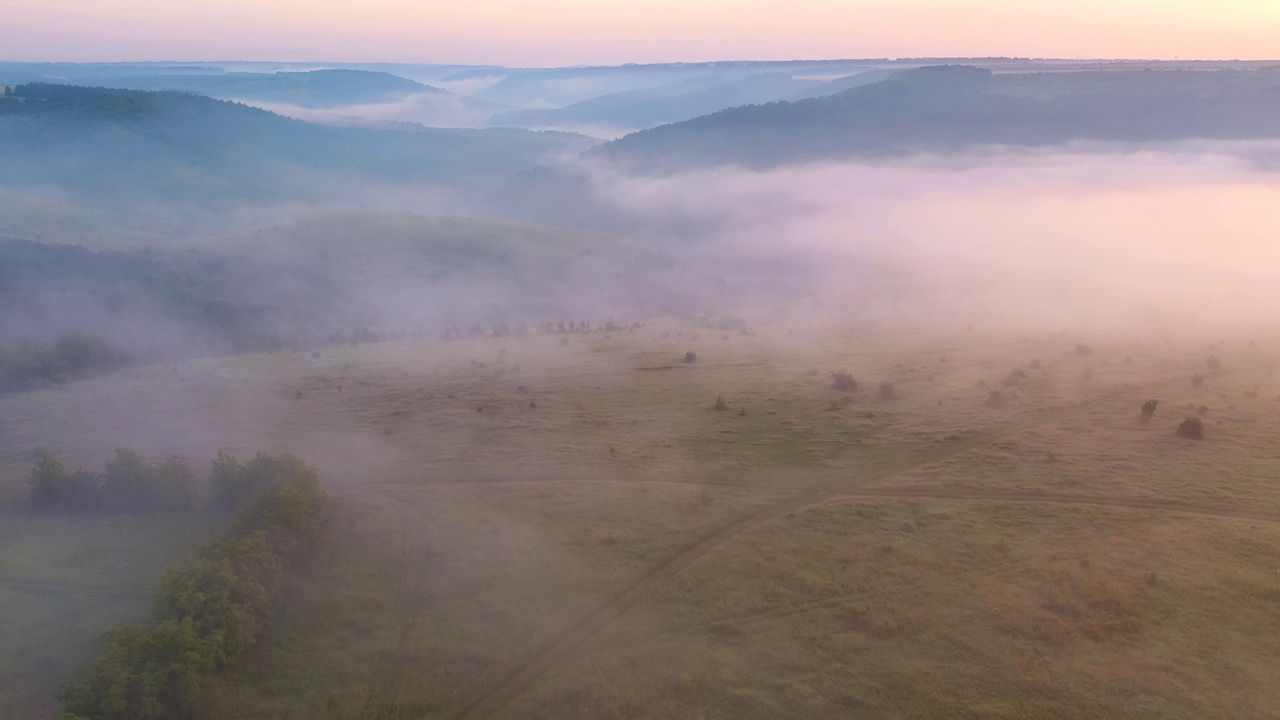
(950, 107)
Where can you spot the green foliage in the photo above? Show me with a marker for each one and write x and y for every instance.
(226, 591)
(131, 484)
(284, 501)
(148, 672)
(226, 482)
(53, 488)
(213, 608)
(70, 357)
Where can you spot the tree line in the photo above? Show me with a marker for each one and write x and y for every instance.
(214, 608)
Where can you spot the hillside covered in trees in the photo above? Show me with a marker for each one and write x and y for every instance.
(946, 108)
(124, 147)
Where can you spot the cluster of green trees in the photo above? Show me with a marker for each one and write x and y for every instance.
(213, 609)
(128, 483)
(71, 357)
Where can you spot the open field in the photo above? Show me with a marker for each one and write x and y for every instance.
(530, 529)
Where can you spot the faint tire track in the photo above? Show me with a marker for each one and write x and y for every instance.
(383, 701)
(561, 645)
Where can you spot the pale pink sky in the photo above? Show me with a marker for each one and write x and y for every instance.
(573, 32)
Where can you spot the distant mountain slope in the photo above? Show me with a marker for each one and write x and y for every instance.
(121, 146)
(344, 97)
(312, 89)
(672, 103)
(943, 108)
(545, 88)
(847, 82)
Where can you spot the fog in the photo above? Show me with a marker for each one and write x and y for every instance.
(439, 110)
(1083, 236)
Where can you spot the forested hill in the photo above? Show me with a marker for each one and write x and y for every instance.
(943, 108)
(313, 88)
(124, 147)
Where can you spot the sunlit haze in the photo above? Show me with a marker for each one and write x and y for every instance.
(570, 32)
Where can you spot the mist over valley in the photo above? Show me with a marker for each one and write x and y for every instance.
(916, 387)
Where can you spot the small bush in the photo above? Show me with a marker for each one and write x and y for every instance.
(1014, 378)
(843, 382)
(887, 391)
(1197, 380)
(1192, 429)
(720, 403)
(1034, 364)
(1213, 363)
(691, 356)
(1148, 409)
(1084, 349)
(995, 399)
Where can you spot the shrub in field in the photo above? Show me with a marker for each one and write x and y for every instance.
(1197, 380)
(1213, 363)
(995, 399)
(887, 391)
(1084, 349)
(720, 403)
(843, 382)
(691, 356)
(1148, 409)
(1191, 428)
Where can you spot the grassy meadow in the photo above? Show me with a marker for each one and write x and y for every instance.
(570, 528)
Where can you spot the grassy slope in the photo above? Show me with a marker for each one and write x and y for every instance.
(931, 577)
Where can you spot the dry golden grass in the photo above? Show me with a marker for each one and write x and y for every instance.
(606, 544)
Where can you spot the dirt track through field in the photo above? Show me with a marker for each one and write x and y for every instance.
(564, 644)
